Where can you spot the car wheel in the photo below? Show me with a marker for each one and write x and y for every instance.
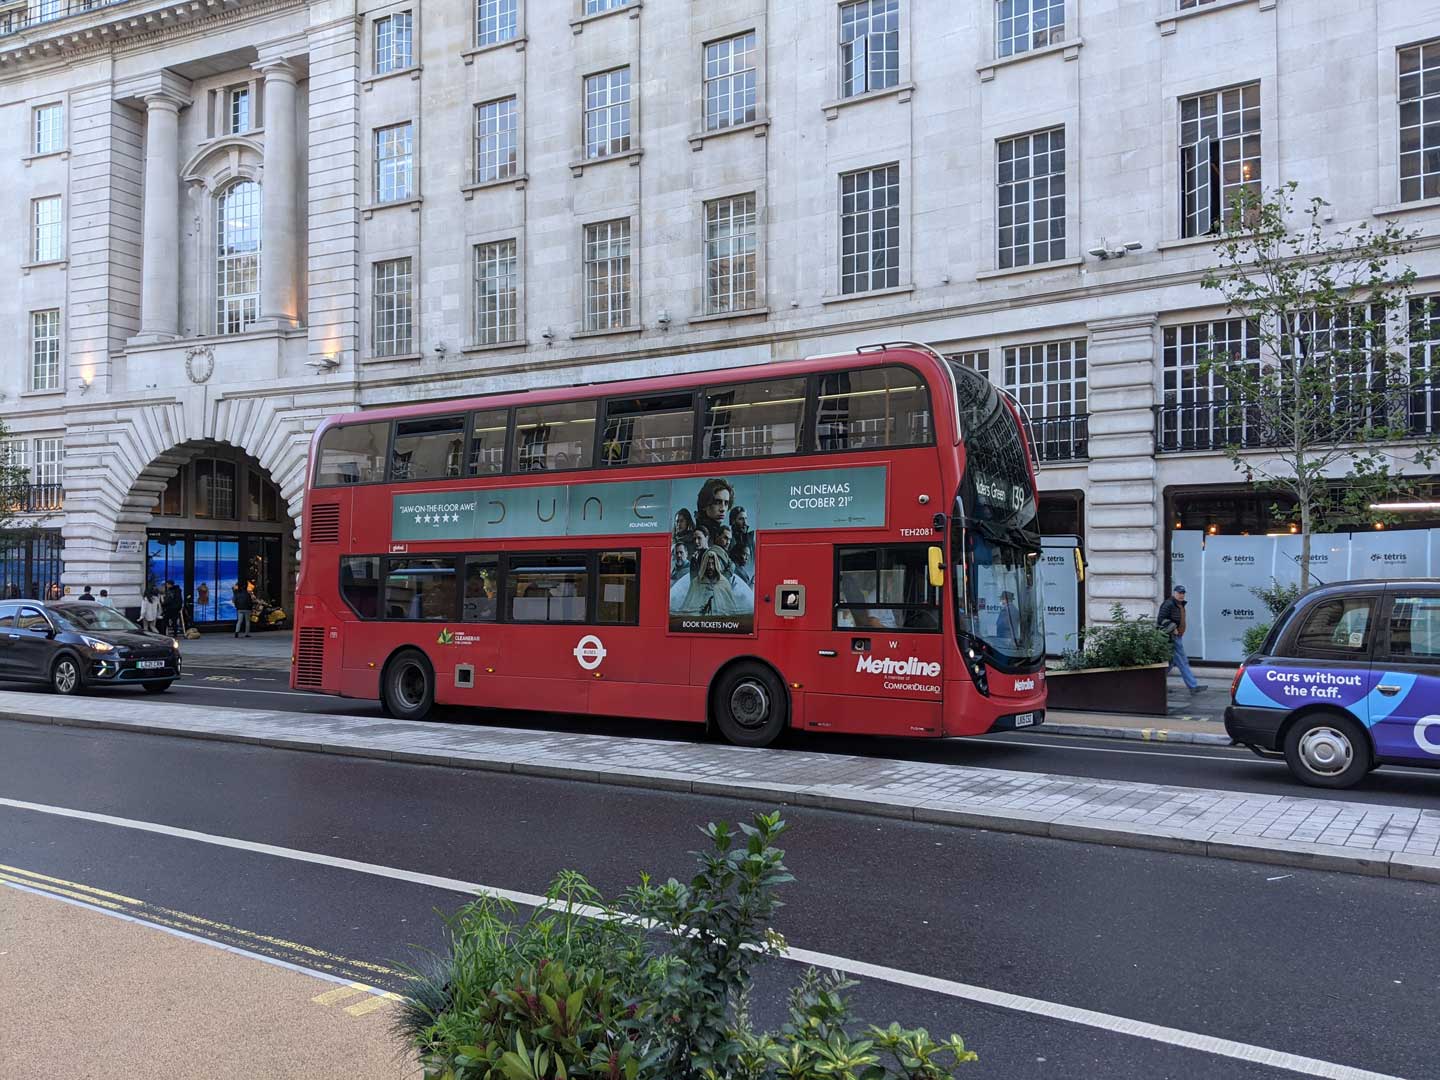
(407, 690)
(158, 687)
(1327, 750)
(65, 676)
(749, 705)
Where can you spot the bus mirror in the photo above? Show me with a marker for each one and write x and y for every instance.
(1079, 565)
(937, 567)
(938, 522)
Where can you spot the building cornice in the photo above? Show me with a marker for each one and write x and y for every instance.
(124, 24)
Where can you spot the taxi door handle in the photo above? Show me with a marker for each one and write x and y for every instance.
(1388, 691)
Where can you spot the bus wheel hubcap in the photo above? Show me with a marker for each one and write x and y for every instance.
(750, 704)
(65, 676)
(410, 686)
(1326, 751)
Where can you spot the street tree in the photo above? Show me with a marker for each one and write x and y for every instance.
(14, 483)
(1336, 389)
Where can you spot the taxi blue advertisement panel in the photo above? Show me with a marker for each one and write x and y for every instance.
(1401, 709)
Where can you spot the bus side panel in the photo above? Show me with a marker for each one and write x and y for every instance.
(648, 700)
(866, 716)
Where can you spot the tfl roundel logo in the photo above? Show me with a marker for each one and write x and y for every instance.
(589, 652)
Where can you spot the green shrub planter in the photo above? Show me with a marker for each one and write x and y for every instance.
(1137, 691)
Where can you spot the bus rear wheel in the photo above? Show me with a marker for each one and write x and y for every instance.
(407, 690)
(749, 705)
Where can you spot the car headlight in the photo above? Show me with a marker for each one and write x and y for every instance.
(97, 644)
(176, 643)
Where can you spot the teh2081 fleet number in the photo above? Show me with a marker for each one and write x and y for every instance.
(916, 532)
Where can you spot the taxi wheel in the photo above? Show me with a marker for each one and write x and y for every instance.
(1327, 750)
(407, 690)
(749, 705)
(65, 676)
(158, 687)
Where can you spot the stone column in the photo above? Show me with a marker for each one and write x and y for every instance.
(1122, 536)
(279, 247)
(160, 257)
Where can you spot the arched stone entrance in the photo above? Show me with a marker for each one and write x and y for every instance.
(219, 520)
(139, 471)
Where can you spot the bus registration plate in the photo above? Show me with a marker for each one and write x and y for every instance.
(1024, 719)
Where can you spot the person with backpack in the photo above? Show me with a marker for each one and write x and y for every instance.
(170, 604)
(1171, 619)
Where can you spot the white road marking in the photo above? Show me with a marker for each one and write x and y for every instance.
(1208, 1044)
(241, 690)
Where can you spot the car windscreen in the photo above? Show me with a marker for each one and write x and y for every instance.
(91, 619)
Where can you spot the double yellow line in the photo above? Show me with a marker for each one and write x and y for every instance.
(358, 974)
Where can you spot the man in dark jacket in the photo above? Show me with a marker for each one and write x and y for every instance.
(170, 604)
(1172, 620)
(244, 605)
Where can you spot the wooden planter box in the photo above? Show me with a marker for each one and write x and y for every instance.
(1138, 690)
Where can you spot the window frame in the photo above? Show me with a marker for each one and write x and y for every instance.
(997, 42)
(376, 312)
(37, 112)
(1382, 649)
(397, 160)
(1292, 649)
(707, 305)
(498, 139)
(478, 40)
(224, 264)
(55, 344)
(457, 567)
(516, 326)
(591, 152)
(1214, 169)
(900, 609)
(392, 439)
(843, 85)
(232, 96)
(388, 24)
(900, 245)
(629, 308)
(730, 40)
(1421, 48)
(37, 255)
(1062, 176)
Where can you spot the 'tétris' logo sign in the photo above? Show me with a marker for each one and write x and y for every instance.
(1237, 613)
(1387, 557)
(1238, 560)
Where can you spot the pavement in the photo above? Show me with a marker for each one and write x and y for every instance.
(1291, 830)
(1190, 718)
(93, 995)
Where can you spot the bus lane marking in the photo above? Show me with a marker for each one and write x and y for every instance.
(1120, 1025)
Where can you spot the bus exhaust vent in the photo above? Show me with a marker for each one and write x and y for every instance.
(310, 657)
(325, 523)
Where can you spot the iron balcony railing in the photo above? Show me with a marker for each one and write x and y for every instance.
(1212, 425)
(39, 499)
(1061, 438)
(48, 11)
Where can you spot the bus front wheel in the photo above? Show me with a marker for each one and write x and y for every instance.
(750, 706)
(407, 691)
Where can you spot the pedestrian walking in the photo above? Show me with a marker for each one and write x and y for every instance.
(86, 595)
(244, 605)
(1171, 619)
(149, 609)
(170, 605)
(105, 598)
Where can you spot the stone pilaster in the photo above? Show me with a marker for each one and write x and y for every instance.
(279, 238)
(1122, 535)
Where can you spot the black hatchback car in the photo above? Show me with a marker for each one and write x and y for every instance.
(74, 646)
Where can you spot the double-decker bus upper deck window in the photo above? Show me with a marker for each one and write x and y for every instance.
(360, 584)
(754, 419)
(432, 448)
(547, 588)
(487, 441)
(420, 589)
(654, 430)
(872, 407)
(619, 581)
(352, 454)
(550, 437)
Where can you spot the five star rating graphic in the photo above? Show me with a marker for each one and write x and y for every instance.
(435, 520)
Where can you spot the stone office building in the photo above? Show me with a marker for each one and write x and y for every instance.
(231, 218)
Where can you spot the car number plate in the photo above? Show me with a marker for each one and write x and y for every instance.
(1024, 719)
(150, 663)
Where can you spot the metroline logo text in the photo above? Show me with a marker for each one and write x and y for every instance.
(913, 666)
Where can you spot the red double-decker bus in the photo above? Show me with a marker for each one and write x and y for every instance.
(844, 543)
